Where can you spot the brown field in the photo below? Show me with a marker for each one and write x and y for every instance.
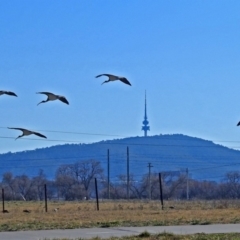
(116, 213)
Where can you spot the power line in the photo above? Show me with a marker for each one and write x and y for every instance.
(227, 165)
(136, 167)
(117, 135)
(79, 133)
(39, 139)
(116, 158)
(106, 142)
(105, 134)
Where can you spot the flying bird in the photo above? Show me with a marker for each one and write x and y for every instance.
(52, 97)
(114, 78)
(7, 93)
(26, 132)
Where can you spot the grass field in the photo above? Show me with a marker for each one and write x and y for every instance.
(116, 213)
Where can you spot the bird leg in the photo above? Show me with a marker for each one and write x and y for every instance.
(106, 81)
(42, 102)
(19, 137)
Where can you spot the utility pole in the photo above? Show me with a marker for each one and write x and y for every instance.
(149, 180)
(127, 173)
(187, 184)
(108, 174)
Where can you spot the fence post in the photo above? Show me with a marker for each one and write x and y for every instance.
(128, 179)
(96, 188)
(108, 175)
(3, 206)
(160, 186)
(187, 184)
(45, 191)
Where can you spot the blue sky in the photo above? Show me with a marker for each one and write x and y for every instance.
(185, 54)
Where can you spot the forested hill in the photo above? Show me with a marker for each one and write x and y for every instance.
(204, 159)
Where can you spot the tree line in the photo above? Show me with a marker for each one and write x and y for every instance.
(76, 182)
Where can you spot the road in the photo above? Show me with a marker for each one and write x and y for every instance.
(88, 233)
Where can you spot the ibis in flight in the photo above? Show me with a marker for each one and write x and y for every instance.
(26, 132)
(52, 97)
(114, 78)
(7, 93)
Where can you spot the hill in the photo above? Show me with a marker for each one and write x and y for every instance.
(204, 159)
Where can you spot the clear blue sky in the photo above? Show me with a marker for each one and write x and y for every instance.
(184, 53)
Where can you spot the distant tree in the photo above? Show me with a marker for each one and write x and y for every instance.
(85, 172)
(24, 186)
(139, 188)
(9, 184)
(119, 188)
(65, 183)
(173, 184)
(104, 189)
(38, 184)
(203, 189)
(232, 184)
(74, 181)
(52, 191)
(155, 188)
(223, 191)
(136, 187)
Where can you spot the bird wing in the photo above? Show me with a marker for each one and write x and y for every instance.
(124, 80)
(63, 99)
(21, 129)
(105, 74)
(46, 93)
(39, 134)
(10, 93)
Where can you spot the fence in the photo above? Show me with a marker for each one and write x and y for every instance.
(96, 196)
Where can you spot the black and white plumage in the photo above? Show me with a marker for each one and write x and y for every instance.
(114, 78)
(8, 93)
(26, 132)
(52, 97)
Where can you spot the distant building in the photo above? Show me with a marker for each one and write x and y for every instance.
(145, 122)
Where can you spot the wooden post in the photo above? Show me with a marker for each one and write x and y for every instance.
(128, 174)
(160, 186)
(96, 188)
(3, 206)
(45, 191)
(187, 184)
(108, 175)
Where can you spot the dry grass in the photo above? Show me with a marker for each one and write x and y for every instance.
(116, 213)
